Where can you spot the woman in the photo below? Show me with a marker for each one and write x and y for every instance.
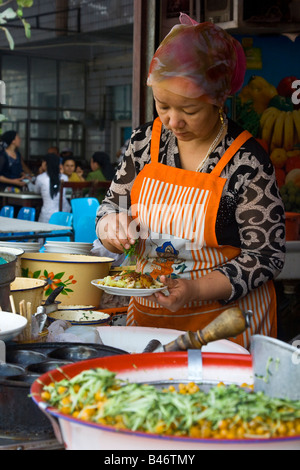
(199, 193)
(102, 169)
(12, 167)
(48, 185)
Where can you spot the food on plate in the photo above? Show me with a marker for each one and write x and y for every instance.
(131, 280)
(224, 412)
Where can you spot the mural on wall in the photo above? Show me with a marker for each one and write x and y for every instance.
(270, 109)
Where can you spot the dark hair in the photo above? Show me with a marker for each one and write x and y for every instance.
(103, 161)
(65, 159)
(53, 171)
(8, 137)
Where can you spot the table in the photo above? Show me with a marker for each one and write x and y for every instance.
(37, 229)
(21, 199)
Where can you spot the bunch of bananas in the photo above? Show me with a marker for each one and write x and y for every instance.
(280, 129)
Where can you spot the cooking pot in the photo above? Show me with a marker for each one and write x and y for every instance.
(7, 275)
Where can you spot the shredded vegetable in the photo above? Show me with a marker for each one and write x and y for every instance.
(131, 280)
(131, 251)
(227, 412)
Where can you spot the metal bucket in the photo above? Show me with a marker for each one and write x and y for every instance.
(276, 367)
(7, 275)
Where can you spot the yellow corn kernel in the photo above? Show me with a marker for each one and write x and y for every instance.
(99, 397)
(87, 413)
(46, 396)
(75, 414)
(223, 424)
(206, 432)
(282, 429)
(160, 427)
(66, 400)
(66, 410)
(192, 388)
(231, 434)
(61, 390)
(76, 388)
(195, 431)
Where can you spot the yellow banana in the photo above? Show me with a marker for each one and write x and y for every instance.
(288, 138)
(267, 113)
(296, 117)
(267, 129)
(277, 137)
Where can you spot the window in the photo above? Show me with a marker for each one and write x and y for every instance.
(45, 103)
(122, 106)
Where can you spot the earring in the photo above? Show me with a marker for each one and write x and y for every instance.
(221, 115)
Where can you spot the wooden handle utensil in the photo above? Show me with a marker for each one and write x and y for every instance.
(228, 324)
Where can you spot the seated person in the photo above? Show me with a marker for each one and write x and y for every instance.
(13, 169)
(102, 169)
(75, 175)
(96, 173)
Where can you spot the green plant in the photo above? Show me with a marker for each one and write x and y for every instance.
(11, 14)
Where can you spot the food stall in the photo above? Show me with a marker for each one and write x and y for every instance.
(87, 383)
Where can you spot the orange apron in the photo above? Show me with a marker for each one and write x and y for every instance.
(179, 210)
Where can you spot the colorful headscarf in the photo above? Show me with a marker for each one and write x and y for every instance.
(199, 60)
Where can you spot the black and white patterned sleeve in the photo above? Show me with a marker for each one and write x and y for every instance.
(259, 214)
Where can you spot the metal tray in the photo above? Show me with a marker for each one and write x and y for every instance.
(24, 364)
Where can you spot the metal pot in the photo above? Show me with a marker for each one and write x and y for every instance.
(7, 275)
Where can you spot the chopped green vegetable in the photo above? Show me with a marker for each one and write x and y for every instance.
(131, 251)
(147, 408)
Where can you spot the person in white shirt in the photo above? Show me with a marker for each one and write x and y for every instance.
(48, 185)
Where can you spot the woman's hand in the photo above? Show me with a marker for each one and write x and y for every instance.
(212, 286)
(181, 291)
(117, 231)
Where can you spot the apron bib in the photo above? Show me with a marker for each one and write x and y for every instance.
(178, 209)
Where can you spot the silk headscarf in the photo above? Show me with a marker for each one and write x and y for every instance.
(199, 60)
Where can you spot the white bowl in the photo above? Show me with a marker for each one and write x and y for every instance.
(80, 317)
(11, 325)
(85, 435)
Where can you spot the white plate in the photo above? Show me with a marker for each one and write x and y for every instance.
(127, 292)
(74, 251)
(70, 244)
(135, 338)
(11, 325)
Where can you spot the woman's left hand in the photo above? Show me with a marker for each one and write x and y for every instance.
(181, 291)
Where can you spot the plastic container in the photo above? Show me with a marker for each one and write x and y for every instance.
(30, 290)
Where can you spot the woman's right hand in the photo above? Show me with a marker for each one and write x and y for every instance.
(117, 231)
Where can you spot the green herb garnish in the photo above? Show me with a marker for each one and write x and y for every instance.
(131, 251)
